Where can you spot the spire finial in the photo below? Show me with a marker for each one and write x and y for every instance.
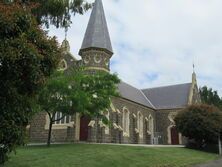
(194, 77)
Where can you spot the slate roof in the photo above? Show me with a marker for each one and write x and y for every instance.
(169, 97)
(97, 34)
(133, 94)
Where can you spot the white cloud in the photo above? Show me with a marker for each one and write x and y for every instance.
(156, 41)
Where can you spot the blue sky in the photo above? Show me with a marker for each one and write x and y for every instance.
(155, 42)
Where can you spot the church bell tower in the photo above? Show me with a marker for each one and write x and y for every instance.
(96, 49)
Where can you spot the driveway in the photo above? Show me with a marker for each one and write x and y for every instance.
(217, 163)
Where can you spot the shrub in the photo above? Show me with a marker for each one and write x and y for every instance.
(200, 123)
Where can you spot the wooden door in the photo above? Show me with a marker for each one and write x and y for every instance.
(174, 136)
(84, 122)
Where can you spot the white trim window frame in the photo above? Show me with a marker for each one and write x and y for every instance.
(64, 121)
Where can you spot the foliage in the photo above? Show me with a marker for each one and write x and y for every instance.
(98, 155)
(55, 12)
(58, 12)
(200, 122)
(208, 96)
(77, 91)
(27, 58)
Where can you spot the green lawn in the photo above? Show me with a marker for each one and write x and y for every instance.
(85, 155)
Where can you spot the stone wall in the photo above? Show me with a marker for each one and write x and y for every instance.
(38, 131)
(37, 128)
(164, 119)
(116, 134)
(99, 133)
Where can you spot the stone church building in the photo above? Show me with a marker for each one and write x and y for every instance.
(138, 116)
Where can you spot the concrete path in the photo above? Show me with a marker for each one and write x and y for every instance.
(139, 145)
(132, 145)
(217, 163)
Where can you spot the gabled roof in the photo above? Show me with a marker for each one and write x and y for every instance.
(169, 97)
(133, 94)
(97, 34)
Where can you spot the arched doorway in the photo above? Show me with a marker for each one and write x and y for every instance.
(174, 136)
(84, 122)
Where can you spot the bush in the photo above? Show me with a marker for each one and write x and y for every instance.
(200, 123)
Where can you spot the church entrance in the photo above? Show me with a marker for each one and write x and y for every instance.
(84, 122)
(174, 136)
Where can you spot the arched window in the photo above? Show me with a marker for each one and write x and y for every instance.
(125, 122)
(151, 124)
(140, 124)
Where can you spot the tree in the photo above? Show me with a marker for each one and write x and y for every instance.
(200, 122)
(58, 12)
(208, 96)
(27, 58)
(55, 12)
(77, 91)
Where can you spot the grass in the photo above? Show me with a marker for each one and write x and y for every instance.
(87, 155)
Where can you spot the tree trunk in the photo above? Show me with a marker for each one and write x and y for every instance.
(50, 133)
(52, 120)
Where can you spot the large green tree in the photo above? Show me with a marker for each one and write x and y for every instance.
(27, 58)
(201, 123)
(77, 91)
(210, 96)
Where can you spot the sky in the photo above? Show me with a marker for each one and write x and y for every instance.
(156, 42)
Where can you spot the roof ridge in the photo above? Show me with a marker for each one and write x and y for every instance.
(143, 100)
(147, 99)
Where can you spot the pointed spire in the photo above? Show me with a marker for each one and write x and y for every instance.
(194, 77)
(97, 34)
